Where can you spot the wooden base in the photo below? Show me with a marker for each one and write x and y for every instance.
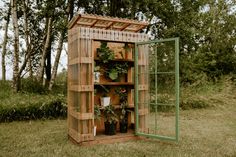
(106, 139)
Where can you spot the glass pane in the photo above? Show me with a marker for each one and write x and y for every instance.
(157, 116)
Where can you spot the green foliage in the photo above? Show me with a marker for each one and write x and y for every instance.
(124, 111)
(97, 112)
(105, 53)
(60, 85)
(53, 108)
(113, 74)
(109, 114)
(32, 85)
(5, 91)
(29, 104)
(193, 104)
(104, 89)
(116, 69)
(122, 92)
(96, 68)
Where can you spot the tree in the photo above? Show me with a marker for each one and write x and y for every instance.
(4, 44)
(16, 78)
(61, 25)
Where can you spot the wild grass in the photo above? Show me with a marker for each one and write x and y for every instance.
(208, 94)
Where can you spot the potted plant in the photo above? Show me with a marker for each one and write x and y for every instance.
(97, 115)
(110, 120)
(124, 117)
(105, 53)
(105, 99)
(122, 92)
(96, 74)
(116, 70)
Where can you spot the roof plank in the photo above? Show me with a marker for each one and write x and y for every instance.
(106, 22)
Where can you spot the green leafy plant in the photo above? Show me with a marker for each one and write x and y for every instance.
(124, 110)
(109, 115)
(96, 67)
(113, 74)
(106, 90)
(115, 70)
(97, 112)
(122, 92)
(105, 53)
(124, 117)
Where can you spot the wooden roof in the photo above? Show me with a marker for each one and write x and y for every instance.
(106, 22)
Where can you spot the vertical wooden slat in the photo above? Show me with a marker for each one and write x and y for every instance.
(90, 77)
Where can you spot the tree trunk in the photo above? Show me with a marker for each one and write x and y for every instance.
(57, 59)
(4, 44)
(48, 64)
(30, 68)
(27, 39)
(16, 78)
(28, 44)
(70, 9)
(45, 48)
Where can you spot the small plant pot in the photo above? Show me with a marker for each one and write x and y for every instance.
(132, 126)
(97, 77)
(110, 128)
(94, 130)
(105, 101)
(123, 126)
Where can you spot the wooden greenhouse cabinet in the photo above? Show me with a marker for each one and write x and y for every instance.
(85, 34)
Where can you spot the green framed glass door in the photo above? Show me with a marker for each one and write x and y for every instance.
(157, 89)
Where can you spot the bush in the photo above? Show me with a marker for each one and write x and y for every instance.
(55, 108)
(5, 91)
(193, 104)
(32, 85)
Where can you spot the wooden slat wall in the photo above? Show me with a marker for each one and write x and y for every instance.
(110, 35)
(143, 86)
(80, 76)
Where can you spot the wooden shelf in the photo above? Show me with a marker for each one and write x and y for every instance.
(117, 106)
(117, 60)
(130, 106)
(115, 84)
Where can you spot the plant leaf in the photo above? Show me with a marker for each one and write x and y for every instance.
(113, 74)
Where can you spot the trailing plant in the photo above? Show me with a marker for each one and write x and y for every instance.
(105, 53)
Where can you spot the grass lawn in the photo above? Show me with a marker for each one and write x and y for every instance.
(204, 132)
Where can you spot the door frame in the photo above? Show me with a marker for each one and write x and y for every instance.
(176, 137)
